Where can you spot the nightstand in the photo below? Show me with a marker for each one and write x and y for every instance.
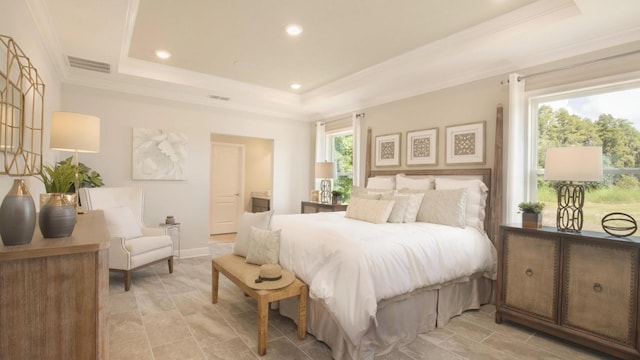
(308, 207)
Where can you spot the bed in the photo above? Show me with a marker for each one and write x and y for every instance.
(375, 287)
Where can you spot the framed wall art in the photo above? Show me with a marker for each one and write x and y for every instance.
(388, 150)
(422, 147)
(159, 154)
(465, 144)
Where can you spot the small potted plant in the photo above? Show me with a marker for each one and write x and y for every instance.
(336, 196)
(531, 214)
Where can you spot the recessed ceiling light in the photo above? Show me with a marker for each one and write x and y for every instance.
(163, 54)
(294, 30)
(296, 86)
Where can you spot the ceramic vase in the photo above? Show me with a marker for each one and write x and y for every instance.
(57, 217)
(17, 215)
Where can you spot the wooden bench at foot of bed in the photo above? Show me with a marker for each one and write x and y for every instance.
(224, 263)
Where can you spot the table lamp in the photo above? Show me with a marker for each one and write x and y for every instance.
(574, 163)
(325, 171)
(77, 133)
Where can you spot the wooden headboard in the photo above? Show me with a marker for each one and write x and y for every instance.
(493, 210)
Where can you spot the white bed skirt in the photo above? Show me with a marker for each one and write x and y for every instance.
(399, 319)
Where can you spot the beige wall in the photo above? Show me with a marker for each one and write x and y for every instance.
(258, 163)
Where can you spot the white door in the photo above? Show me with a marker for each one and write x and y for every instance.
(227, 187)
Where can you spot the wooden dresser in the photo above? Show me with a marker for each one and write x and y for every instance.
(579, 287)
(54, 295)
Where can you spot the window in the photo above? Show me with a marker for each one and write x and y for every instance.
(340, 151)
(608, 116)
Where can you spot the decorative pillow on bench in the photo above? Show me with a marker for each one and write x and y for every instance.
(261, 220)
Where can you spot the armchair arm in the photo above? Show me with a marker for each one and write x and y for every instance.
(147, 231)
(119, 256)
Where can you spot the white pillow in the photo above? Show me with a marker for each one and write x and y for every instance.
(122, 223)
(261, 220)
(414, 183)
(477, 193)
(264, 247)
(373, 211)
(446, 207)
(381, 182)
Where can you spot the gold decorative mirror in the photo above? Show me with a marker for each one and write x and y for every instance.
(21, 111)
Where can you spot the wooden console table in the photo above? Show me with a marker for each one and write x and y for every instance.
(54, 294)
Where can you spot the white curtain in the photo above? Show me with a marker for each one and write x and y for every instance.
(357, 120)
(321, 142)
(516, 184)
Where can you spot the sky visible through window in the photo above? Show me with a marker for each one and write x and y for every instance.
(623, 104)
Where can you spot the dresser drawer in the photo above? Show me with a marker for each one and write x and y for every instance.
(599, 290)
(531, 269)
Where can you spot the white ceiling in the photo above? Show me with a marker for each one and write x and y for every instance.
(352, 53)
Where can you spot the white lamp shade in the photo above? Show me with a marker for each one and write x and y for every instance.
(75, 132)
(326, 170)
(574, 163)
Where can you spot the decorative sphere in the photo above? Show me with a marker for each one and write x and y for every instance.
(619, 224)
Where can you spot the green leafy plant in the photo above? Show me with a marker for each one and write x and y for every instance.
(336, 193)
(531, 207)
(58, 178)
(86, 176)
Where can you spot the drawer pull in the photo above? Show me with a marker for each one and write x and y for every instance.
(529, 272)
(597, 287)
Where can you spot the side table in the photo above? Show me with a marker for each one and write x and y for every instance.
(173, 230)
(307, 207)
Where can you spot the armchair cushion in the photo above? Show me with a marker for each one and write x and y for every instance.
(122, 223)
(147, 243)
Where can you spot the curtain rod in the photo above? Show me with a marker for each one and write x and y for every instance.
(359, 115)
(579, 64)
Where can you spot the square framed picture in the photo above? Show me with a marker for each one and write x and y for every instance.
(422, 147)
(388, 150)
(465, 144)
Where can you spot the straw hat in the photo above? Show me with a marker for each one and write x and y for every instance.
(268, 277)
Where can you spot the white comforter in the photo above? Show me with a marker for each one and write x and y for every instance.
(351, 265)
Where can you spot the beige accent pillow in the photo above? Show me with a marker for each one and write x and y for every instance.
(446, 207)
(261, 220)
(477, 193)
(264, 247)
(373, 211)
(414, 183)
(365, 193)
(400, 203)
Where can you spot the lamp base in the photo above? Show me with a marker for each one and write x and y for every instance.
(569, 217)
(325, 191)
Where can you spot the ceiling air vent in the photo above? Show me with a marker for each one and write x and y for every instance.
(89, 65)
(221, 98)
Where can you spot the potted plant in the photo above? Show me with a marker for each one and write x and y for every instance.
(531, 214)
(336, 196)
(86, 176)
(57, 216)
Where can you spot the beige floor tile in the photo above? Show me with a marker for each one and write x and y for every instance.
(186, 349)
(233, 349)
(283, 349)
(165, 327)
(138, 349)
(122, 302)
(518, 349)
(126, 326)
(422, 349)
(565, 349)
(209, 328)
(469, 349)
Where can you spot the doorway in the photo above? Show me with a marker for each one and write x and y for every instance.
(227, 184)
(256, 170)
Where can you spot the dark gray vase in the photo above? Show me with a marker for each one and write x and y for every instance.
(57, 217)
(17, 215)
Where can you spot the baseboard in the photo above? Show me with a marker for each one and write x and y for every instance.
(190, 253)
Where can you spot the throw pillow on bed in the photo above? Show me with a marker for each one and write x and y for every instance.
(400, 203)
(261, 220)
(264, 247)
(446, 207)
(373, 211)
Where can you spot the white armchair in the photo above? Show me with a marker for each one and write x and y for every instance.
(133, 245)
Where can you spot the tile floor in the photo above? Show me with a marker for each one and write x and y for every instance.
(170, 316)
